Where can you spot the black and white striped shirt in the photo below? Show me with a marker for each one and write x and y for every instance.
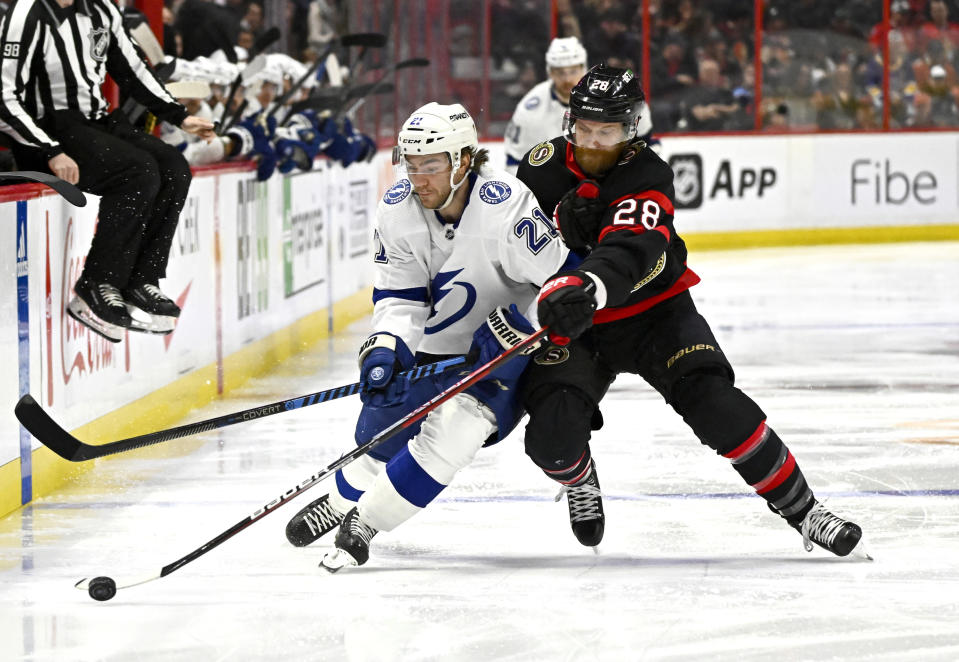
(54, 58)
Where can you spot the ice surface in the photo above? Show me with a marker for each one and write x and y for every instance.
(853, 352)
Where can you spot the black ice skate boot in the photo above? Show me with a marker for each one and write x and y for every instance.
(100, 307)
(352, 543)
(160, 309)
(829, 531)
(585, 503)
(313, 522)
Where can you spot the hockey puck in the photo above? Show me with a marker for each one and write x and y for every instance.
(102, 588)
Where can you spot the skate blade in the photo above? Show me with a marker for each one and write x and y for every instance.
(80, 311)
(336, 560)
(157, 324)
(861, 552)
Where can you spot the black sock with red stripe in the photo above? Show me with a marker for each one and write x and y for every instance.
(767, 465)
(574, 473)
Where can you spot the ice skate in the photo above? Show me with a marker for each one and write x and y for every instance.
(150, 309)
(830, 532)
(585, 503)
(100, 308)
(313, 522)
(352, 544)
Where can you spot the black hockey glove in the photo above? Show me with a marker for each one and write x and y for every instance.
(578, 215)
(566, 304)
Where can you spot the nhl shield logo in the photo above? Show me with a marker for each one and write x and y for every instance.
(99, 42)
(688, 180)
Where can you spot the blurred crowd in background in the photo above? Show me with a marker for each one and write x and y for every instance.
(822, 60)
(822, 64)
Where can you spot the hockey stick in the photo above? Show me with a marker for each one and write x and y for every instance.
(39, 423)
(364, 39)
(228, 118)
(327, 101)
(261, 44)
(70, 193)
(104, 588)
(380, 82)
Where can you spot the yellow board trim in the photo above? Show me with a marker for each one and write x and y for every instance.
(705, 241)
(170, 404)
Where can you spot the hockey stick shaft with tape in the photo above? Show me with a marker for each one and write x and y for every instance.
(48, 432)
(420, 412)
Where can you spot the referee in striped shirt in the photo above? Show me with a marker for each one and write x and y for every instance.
(54, 56)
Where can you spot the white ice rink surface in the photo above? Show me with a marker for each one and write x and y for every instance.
(853, 352)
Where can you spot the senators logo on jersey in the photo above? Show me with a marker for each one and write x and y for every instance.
(540, 154)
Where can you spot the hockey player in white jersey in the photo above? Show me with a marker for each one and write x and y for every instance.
(460, 250)
(539, 115)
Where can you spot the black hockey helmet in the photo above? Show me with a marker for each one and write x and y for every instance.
(606, 94)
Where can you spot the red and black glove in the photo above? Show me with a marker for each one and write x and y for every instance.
(578, 215)
(566, 304)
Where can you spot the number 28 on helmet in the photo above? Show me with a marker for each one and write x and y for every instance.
(605, 96)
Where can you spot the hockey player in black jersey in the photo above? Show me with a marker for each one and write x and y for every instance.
(627, 308)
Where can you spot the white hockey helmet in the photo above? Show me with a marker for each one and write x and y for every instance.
(565, 52)
(438, 129)
(433, 129)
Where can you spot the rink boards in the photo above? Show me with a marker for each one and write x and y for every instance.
(838, 188)
(261, 271)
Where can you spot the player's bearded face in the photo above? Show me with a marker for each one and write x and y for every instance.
(596, 145)
(597, 161)
(565, 79)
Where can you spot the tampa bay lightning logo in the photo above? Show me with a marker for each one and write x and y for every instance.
(439, 284)
(398, 192)
(532, 103)
(377, 374)
(494, 192)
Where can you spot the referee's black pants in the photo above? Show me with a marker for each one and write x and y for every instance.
(142, 183)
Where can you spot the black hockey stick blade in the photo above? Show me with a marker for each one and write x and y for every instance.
(521, 348)
(263, 42)
(321, 99)
(331, 98)
(48, 432)
(380, 83)
(365, 39)
(319, 104)
(367, 89)
(413, 62)
(70, 193)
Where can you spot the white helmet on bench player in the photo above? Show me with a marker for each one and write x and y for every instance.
(565, 52)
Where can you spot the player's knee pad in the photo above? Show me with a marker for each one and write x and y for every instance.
(353, 480)
(560, 420)
(720, 415)
(451, 435)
